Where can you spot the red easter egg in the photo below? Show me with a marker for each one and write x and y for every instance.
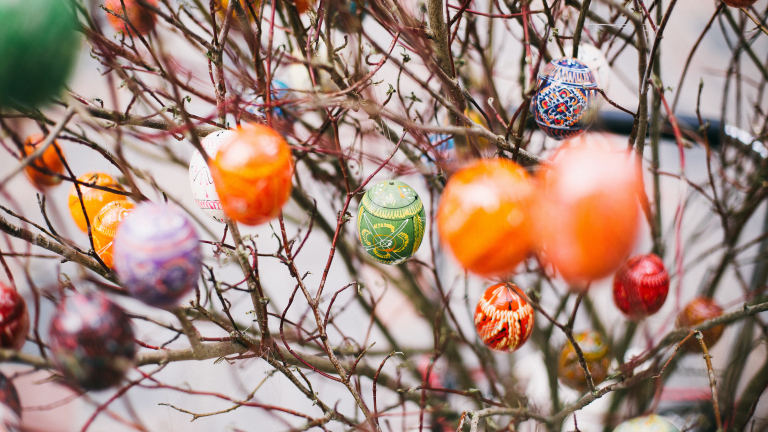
(587, 215)
(14, 318)
(640, 287)
(49, 160)
(141, 17)
(739, 3)
(484, 216)
(504, 318)
(696, 312)
(253, 174)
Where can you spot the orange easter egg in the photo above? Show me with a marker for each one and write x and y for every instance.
(484, 216)
(696, 312)
(93, 199)
(303, 5)
(587, 214)
(49, 160)
(105, 226)
(142, 18)
(252, 173)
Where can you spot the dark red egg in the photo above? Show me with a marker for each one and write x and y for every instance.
(504, 318)
(92, 341)
(739, 3)
(9, 396)
(640, 286)
(14, 318)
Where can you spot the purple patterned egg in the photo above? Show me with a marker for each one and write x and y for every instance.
(157, 255)
(565, 103)
(92, 341)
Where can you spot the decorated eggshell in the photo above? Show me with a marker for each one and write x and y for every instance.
(564, 104)
(93, 199)
(92, 341)
(14, 318)
(640, 286)
(739, 3)
(253, 173)
(595, 352)
(142, 18)
(105, 226)
(156, 254)
(391, 221)
(649, 423)
(696, 312)
(9, 397)
(200, 177)
(591, 56)
(49, 160)
(503, 318)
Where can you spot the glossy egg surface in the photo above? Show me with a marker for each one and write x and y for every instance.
(49, 160)
(105, 227)
(595, 351)
(93, 199)
(640, 286)
(503, 318)
(565, 101)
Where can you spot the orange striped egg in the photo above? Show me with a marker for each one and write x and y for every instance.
(504, 318)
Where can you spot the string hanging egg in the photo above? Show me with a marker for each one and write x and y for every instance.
(391, 221)
(595, 352)
(92, 341)
(203, 188)
(503, 318)
(564, 103)
(156, 254)
(640, 286)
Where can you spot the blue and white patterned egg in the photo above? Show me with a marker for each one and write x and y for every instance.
(565, 103)
(157, 254)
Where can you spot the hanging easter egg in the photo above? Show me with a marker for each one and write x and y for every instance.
(649, 423)
(564, 104)
(640, 286)
(696, 312)
(587, 216)
(739, 3)
(200, 177)
(105, 227)
(252, 173)
(484, 216)
(14, 318)
(503, 318)
(48, 161)
(391, 221)
(441, 154)
(142, 18)
(156, 254)
(93, 199)
(38, 47)
(591, 56)
(595, 351)
(303, 5)
(92, 341)
(9, 397)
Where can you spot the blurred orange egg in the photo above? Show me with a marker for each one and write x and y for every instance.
(484, 216)
(93, 199)
(222, 5)
(303, 5)
(696, 312)
(142, 18)
(252, 173)
(587, 213)
(49, 160)
(105, 226)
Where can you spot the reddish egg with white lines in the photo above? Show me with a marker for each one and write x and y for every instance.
(504, 318)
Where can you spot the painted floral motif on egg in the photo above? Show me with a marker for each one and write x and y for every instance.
(200, 177)
(391, 221)
(92, 341)
(503, 318)
(564, 104)
(156, 253)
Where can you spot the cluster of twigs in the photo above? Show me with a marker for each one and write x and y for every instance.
(439, 61)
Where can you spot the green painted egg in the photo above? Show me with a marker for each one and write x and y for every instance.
(38, 47)
(391, 221)
(649, 423)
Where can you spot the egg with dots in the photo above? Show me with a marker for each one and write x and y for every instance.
(93, 199)
(157, 254)
(252, 172)
(92, 341)
(200, 177)
(14, 318)
(503, 318)
(595, 351)
(640, 286)
(40, 170)
(141, 17)
(105, 227)
(587, 212)
(696, 312)
(484, 216)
